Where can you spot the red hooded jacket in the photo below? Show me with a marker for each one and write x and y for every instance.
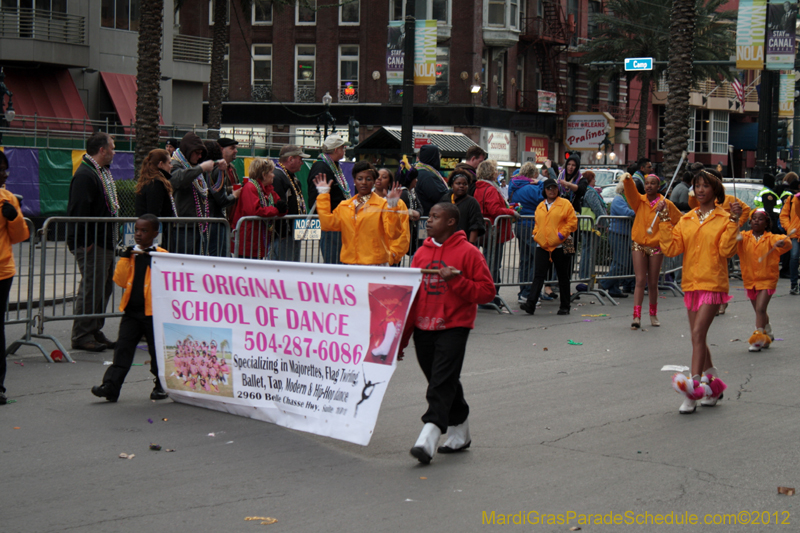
(450, 304)
(255, 237)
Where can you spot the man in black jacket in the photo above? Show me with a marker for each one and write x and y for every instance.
(221, 199)
(287, 186)
(93, 193)
(333, 148)
(430, 183)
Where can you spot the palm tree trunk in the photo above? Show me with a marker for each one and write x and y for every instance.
(676, 115)
(148, 75)
(220, 39)
(644, 108)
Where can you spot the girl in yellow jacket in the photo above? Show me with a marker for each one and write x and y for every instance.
(647, 257)
(759, 256)
(790, 220)
(706, 237)
(555, 222)
(374, 229)
(13, 230)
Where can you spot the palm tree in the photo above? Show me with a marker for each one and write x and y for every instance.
(632, 28)
(148, 78)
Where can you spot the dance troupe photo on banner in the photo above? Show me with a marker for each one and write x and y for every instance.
(267, 341)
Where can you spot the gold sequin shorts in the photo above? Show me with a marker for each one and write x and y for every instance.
(646, 250)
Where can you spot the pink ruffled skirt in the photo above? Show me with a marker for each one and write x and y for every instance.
(694, 299)
(752, 293)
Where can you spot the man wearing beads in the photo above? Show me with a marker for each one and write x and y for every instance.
(92, 193)
(290, 159)
(333, 148)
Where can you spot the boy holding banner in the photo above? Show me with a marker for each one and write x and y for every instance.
(441, 318)
(133, 274)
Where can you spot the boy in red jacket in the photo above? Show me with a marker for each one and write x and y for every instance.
(441, 318)
(133, 274)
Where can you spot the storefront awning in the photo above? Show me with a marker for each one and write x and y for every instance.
(122, 90)
(48, 95)
(386, 141)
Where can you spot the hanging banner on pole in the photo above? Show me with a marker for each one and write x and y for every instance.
(425, 52)
(786, 93)
(781, 31)
(750, 32)
(394, 53)
(306, 346)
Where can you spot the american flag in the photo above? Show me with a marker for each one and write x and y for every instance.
(738, 89)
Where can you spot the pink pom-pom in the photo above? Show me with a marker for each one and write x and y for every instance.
(717, 386)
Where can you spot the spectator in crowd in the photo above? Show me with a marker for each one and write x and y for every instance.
(13, 230)
(570, 176)
(333, 149)
(680, 193)
(190, 191)
(407, 178)
(154, 192)
(374, 229)
(93, 193)
(790, 220)
(475, 156)
(171, 146)
(470, 218)
(219, 200)
(288, 188)
(619, 240)
(593, 206)
(644, 168)
(526, 190)
(493, 205)
(258, 199)
(431, 185)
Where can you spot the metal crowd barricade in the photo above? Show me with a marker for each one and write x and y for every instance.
(613, 259)
(79, 252)
(20, 305)
(672, 266)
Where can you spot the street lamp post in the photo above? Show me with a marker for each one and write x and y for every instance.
(325, 119)
(7, 115)
(603, 153)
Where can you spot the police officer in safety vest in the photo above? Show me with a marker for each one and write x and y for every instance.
(768, 200)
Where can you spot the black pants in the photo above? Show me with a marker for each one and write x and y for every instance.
(562, 263)
(441, 356)
(5, 288)
(131, 328)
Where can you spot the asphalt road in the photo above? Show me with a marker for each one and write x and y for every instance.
(556, 428)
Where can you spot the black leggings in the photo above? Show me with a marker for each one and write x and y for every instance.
(562, 263)
(5, 289)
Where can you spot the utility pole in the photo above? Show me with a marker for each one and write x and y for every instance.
(407, 126)
(766, 132)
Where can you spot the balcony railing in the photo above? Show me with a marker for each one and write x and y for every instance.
(191, 49)
(348, 91)
(305, 92)
(623, 115)
(41, 25)
(535, 28)
(261, 92)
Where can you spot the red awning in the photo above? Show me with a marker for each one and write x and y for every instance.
(48, 94)
(122, 90)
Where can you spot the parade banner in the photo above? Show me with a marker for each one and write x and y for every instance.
(786, 94)
(394, 53)
(781, 30)
(750, 32)
(306, 346)
(425, 52)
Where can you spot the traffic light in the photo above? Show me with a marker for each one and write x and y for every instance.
(353, 131)
(781, 140)
(566, 155)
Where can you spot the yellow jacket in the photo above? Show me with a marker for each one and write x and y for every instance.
(705, 247)
(764, 275)
(11, 233)
(726, 205)
(377, 234)
(560, 218)
(790, 215)
(645, 214)
(123, 276)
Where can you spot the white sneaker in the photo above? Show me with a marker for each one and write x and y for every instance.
(754, 348)
(425, 447)
(768, 331)
(458, 439)
(688, 407)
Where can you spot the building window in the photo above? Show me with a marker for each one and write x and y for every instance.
(261, 73)
(702, 127)
(497, 12)
(305, 59)
(439, 93)
(520, 73)
(660, 134)
(348, 73)
(349, 12)
(55, 6)
(613, 90)
(514, 12)
(501, 78)
(117, 14)
(692, 116)
(434, 10)
(211, 12)
(719, 132)
(306, 12)
(594, 96)
(262, 12)
(595, 8)
(572, 77)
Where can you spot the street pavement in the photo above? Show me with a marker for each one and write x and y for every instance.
(556, 428)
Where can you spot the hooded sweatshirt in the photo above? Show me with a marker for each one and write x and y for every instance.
(574, 178)
(526, 194)
(450, 304)
(182, 178)
(430, 187)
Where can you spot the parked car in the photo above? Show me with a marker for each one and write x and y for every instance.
(746, 190)
(605, 176)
